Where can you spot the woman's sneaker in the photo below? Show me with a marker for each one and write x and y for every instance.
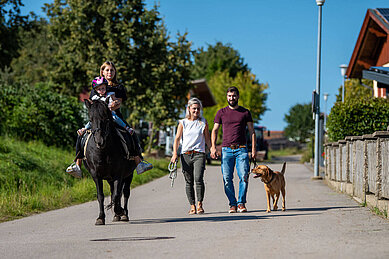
(74, 170)
(143, 166)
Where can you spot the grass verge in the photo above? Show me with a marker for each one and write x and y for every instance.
(33, 179)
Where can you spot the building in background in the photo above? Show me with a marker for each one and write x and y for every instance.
(370, 58)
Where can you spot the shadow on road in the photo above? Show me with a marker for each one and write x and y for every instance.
(214, 219)
(132, 238)
(237, 217)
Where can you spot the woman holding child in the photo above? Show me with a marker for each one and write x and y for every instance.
(195, 134)
(102, 87)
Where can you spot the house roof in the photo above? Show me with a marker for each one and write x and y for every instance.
(372, 47)
(201, 90)
(379, 74)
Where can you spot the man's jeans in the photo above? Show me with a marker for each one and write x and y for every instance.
(230, 158)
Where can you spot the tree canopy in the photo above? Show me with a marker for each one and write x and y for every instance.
(154, 70)
(11, 21)
(223, 67)
(218, 57)
(300, 123)
(251, 93)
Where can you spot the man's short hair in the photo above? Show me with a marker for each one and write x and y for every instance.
(233, 89)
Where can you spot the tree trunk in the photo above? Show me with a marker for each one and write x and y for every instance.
(151, 136)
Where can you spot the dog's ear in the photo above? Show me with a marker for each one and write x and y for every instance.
(267, 171)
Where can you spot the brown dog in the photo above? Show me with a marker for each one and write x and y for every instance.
(274, 184)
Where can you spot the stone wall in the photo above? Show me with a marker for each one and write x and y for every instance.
(359, 166)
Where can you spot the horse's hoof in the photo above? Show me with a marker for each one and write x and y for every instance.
(116, 218)
(124, 218)
(100, 222)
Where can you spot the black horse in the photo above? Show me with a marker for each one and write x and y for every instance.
(105, 158)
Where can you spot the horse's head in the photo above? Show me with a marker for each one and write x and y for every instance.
(101, 121)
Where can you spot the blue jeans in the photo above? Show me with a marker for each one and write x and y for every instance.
(230, 158)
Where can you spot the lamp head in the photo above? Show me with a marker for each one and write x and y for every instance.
(343, 69)
(320, 2)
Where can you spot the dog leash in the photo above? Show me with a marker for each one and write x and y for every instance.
(254, 162)
(173, 171)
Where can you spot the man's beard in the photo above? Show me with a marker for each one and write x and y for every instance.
(232, 103)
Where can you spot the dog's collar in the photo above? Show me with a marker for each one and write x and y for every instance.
(272, 178)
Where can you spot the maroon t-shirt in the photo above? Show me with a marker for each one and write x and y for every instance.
(234, 122)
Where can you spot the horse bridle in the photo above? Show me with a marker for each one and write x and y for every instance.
(104, 133)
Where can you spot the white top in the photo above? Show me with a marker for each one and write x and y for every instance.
(103, 98)
(193, 137)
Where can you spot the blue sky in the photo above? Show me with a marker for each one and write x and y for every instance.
(277, 39)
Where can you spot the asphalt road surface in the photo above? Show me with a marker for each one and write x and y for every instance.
(318, 223)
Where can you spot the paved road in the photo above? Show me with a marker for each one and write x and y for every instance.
(318, 223)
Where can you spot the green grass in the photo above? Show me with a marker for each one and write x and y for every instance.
(33, 179)
(284, 152)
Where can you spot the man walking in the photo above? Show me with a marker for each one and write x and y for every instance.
(234, 119)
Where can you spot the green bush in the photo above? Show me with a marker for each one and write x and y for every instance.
(357, 117)
(39, 113)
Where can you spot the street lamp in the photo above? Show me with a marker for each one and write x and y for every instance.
(343, 69)
(325, 95)
(319, 3)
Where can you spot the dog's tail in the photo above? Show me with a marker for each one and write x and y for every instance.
(283, 168)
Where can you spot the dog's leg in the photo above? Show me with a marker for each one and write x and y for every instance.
(275, 206)
(283, 199)
(268, 202)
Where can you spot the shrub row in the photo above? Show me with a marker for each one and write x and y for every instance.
(39, 113)
(357, 117)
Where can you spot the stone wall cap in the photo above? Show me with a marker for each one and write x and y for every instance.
(335, 144)
(368, 136)
(342, 141)
(381, 134)
(349, 138)
(354, 138)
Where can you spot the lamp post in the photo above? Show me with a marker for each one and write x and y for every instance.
(319, 3)
(325, 95)
(343, 69)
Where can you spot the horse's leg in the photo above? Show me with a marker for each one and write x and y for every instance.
(100, 198)
(126, 195)
(117, 195)
(112, 187)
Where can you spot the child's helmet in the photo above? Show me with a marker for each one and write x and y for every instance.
(99, 80)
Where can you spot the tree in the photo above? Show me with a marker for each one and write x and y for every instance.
(356, 89)
(34, 62)
(10, 23)
(155, 70)
(300, 123)
(217, 58)
(252, 95)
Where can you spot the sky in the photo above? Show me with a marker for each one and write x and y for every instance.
(277, 39)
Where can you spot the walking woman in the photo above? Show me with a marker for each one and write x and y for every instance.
(194, 132)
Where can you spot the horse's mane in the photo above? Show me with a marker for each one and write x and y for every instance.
(100, 110)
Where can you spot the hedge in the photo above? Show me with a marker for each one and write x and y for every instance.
(357, 117)
(39, 113)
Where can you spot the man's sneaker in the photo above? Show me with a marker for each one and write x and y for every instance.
(232, 209)
(143, 166)
(241, 208)
(74, 170)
